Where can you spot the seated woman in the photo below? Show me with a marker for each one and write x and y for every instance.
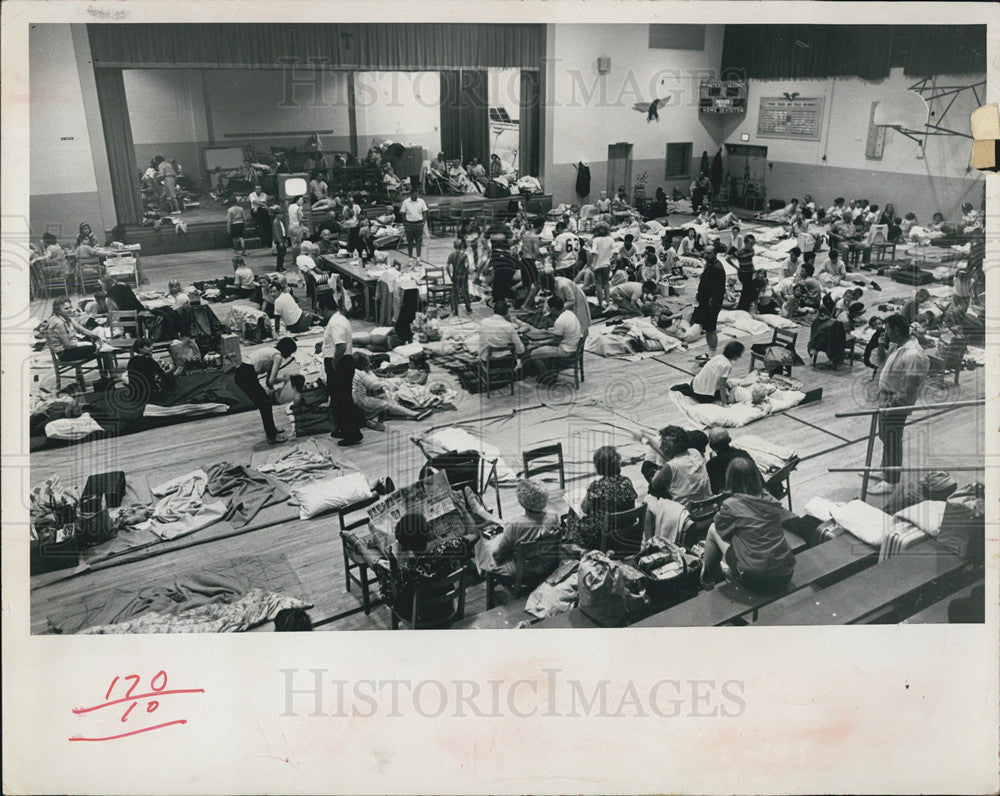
(711, 383)
(683, 477)
(390, 181)
(612, 493)
(98, 306)
(61, 333)
(690, 248)
(412, 557)
(748, 535)
(498, 553)
(121, 296)
(178, 294)
(147, 379)
(830, 333)
(86, 243)
(370, 398)
(244, 282)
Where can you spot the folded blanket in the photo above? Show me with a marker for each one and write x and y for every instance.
(866, 522)
(926, 516)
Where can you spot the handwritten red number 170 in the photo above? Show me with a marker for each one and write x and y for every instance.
(130, 700)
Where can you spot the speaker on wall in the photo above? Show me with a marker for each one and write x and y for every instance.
(603, 66)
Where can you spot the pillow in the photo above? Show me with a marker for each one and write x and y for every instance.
(867, 523)
(327, 494)
(926, 516)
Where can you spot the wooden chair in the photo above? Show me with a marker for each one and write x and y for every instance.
(53, 277)
(88, 275)
(952, 360)
(432, 593)
(575, 365)
(623, 530)
(849, 349)
(547, 459)
(353, 560)
(780, 337)
(780, 484)
(525, 553)
(120, 320)
(433, 218)
(77, 368)
(879, 250)
(498, 369)
(465, 469)
(123, 267)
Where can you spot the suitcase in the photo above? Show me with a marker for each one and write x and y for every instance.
(229, 348)
(109, 486)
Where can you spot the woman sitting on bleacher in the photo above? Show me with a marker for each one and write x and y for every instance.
(683, 477)
(747, 535)
(612, 493)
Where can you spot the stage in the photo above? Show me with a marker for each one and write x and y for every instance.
(206, 224)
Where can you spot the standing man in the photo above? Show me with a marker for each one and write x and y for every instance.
(709, 298)
(236, 226)
(503, 265)
(745, 273)
(169, 179)
(338, 363)
(414, 211)
(279, 236)
(903, 369)
(260, 215)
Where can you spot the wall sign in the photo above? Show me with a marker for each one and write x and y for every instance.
(800, 118)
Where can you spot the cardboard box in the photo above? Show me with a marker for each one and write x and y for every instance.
(110, 486)
(229, 348)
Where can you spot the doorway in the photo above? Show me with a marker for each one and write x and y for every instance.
(746, 168)
(619, 168)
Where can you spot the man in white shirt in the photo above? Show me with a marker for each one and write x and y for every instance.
(903, 368)
(566, 251)
(260, 215)
(631, 297)
(338, 364)
(295, 211)
(550, 359)
(498, 334)
(414, 211)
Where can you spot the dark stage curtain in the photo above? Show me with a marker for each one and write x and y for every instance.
(803, 51)
(529, 121)
(865, 51)
(944, 50)
(430, 47)
(475, 116)
(118, 140)
(451, 116)
(465, 123)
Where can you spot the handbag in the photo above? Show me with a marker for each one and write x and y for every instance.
(609, 591)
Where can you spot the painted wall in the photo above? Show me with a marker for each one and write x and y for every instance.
(402, 107)
(62, 182)
(167, 113)
(269, 107)
(939, 180)
(585, 112)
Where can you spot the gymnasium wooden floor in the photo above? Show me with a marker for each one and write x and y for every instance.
(636, 390)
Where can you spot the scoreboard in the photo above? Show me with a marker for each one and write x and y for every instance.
(722, 96)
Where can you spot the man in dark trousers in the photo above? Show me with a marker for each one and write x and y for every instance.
(711, 292)
(745, 273)
(503, 265)
(338, 363)
(279, 236)
(903, 369)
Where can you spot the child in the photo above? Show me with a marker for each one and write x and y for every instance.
(419, 369)
(457, 269)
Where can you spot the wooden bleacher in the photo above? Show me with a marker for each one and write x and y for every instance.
(731, 602)
(861, 598)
